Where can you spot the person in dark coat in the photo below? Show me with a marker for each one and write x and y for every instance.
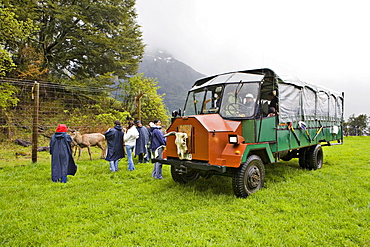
(273, 106)
(114, 137)
(62, 163)
(142, 142)
(157, 146)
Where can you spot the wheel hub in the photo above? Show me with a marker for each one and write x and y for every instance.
(254, 177)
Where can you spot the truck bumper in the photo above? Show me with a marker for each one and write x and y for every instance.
(202, 166)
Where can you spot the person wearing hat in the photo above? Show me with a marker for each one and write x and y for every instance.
(248, 106)
(249, 100)
(62, 163)
(142, 142)
(114, 137)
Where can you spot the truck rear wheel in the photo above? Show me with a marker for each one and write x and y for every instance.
(249, 177)
(184, 178)
(315, 157)
(303, 159)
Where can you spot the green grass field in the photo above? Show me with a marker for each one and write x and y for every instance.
(327, 207)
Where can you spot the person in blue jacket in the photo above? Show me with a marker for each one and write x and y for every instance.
(142, 142)
(157, 146)
(114, 137)
(62, 163)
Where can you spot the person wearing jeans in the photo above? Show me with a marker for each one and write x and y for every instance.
(114, 137)
(142, 142)
(157, 146)
(113, 165)
(130, 140)
(129, 151)
(157, 169)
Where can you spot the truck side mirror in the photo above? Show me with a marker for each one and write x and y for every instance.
(176, 113)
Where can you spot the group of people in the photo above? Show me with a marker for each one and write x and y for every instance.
(144, 142)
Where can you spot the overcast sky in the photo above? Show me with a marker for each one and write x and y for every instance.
(325, 42)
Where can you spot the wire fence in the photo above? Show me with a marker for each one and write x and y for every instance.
(42, 110)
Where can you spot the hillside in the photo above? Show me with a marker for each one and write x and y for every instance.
(174, 77)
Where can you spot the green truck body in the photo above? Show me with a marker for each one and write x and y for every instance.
(237, 122)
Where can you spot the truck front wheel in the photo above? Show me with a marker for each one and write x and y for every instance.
(184, 178)
(249, 177)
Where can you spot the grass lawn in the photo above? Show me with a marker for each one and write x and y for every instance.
(326, 207)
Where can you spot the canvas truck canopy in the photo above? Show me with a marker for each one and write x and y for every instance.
(304, 101)
(298, 100)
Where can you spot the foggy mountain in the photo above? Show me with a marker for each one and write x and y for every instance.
(174, 77)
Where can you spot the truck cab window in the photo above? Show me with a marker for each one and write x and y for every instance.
(239, 100)
(204, 101)
(194, 103)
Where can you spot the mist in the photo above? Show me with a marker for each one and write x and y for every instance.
(321, 42)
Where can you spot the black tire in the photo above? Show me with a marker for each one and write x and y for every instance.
(249, 177)
(315, 157)
(184, 178)
(303, 160)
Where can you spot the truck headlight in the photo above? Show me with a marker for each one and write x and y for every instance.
(233, 139)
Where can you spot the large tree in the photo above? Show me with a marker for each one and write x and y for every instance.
(85, 38)
(151, 104)
(357, 126)
(12, 32)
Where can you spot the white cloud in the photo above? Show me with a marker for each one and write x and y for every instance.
(324, 42)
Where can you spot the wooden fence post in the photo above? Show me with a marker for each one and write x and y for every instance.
(138, 103)
(35, 118)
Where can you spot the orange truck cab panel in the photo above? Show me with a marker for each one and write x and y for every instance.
(208, 140)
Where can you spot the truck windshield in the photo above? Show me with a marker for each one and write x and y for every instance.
(232, 100)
